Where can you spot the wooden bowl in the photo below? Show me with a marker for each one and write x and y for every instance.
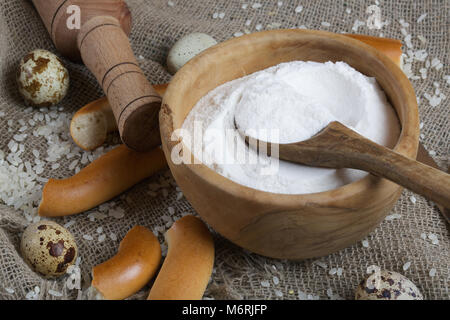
(277, 225)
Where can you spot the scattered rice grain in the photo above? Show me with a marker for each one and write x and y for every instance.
(55, 293)
(406, 265)
(298, 9)
(421, 18)
(87, 237)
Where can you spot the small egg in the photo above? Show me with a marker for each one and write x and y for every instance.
(42, 79)
(187, 48)
(48, 248)
(387, 285)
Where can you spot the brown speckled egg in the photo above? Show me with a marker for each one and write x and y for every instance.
(48, 248)
(42, 79)
(387, 285)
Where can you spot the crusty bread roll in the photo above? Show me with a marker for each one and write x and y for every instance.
(131, 268)
(91, 124)
(188, 266)
(390, 47)
(100, 181)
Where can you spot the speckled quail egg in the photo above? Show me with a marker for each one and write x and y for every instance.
(42, 79)
(48, 248)
(387, 285)
(187, 48)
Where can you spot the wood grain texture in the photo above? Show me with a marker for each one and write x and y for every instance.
(337, 146)
(278, 225)
(54, 15)
(102, 43)
(424, 157)
(106, 51)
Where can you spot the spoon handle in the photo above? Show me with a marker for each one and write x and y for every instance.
(340, 147)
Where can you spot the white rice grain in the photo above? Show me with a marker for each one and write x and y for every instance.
(73, 164)
(393, 217)
(321, 264)
(298, 9)
(69, 224)
(406, 265)
(55, 293)
(421, 18)
(87, 237)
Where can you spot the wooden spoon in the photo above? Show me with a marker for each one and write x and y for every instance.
(337, 146)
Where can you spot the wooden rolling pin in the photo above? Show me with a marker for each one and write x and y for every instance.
(103, 45)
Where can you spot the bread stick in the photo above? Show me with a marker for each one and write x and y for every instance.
(100, 181)
(91, 124)
(187, 268)
(126, 273)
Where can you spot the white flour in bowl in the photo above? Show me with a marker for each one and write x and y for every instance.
(297, 100)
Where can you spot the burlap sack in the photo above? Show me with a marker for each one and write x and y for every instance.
(405, 237)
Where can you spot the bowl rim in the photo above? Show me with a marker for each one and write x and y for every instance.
(407, 143)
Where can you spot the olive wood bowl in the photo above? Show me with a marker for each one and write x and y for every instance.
(278, 225)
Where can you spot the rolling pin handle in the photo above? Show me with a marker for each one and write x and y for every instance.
(106, 51)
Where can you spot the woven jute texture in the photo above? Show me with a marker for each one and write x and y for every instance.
(238, 273)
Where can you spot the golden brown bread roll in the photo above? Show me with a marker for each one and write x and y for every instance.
(131, 268)
(91, 124)
(390, 47)
(189, 263)
(102, 180)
